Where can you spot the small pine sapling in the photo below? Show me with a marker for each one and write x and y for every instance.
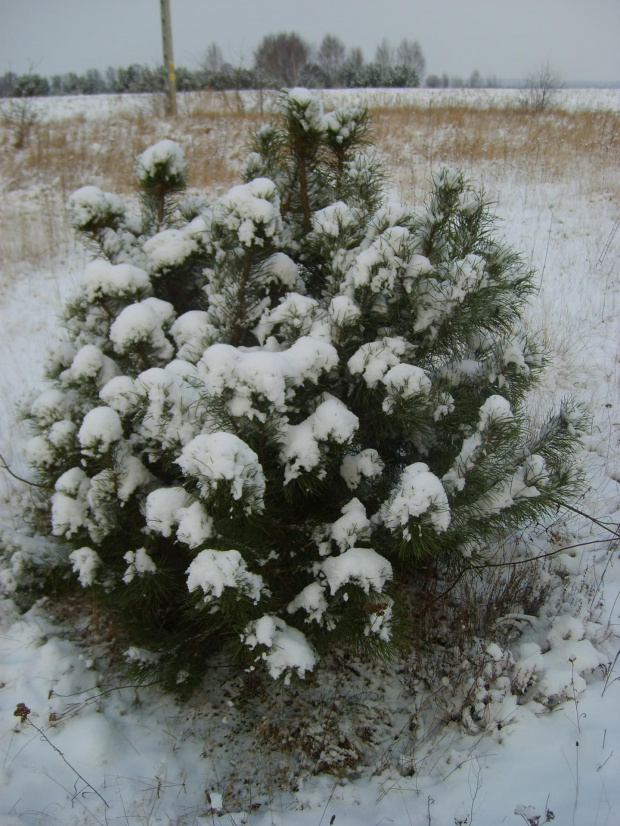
(269, 414)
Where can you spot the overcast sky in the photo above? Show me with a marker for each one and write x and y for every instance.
(580, 39)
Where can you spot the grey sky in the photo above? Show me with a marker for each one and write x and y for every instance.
(580, 39)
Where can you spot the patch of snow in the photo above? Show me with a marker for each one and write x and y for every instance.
(212, 571)
(211, 458)
(167, 154)
(90, 205)
(361, 566)
(288, 650)
(85, 562)
(366, 463)
(139, 563)
(102, 279)
(101, 428)
(419, 494)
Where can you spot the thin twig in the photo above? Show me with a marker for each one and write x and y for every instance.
(540, 556)
(514, 562)
(22, 711)
(542, 274)
(607, 245)
(5, 466)
(451, 588)
(615, 532)
(76, 708)
(104, 691)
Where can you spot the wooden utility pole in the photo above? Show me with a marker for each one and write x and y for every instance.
(171, 78)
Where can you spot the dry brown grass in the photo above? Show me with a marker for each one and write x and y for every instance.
(62, 155)
(76, 151)
(213, 130)
(467, 135)
(543, 147)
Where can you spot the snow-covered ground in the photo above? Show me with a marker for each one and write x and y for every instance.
(100, 106)
(94, 750)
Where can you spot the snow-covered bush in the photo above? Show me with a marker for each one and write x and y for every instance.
(270, 414)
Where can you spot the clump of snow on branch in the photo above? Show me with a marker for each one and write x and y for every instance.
(139, 563)
(419, 493)
(212, 571)
(85, 562)
(102, 279)
(167, 155)
(287, 650)
(301, 443)
(214, 458)
(367, 464)
(90, 205)
(252, 211)
(100, 429)
(142, 324)
(361, 566)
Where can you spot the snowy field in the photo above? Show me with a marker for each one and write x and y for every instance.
(98, 106)
(94, 750)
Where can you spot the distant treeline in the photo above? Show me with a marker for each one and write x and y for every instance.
(280, 60)
(139, 78)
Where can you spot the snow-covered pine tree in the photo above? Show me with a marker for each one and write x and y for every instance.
(268, 415)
